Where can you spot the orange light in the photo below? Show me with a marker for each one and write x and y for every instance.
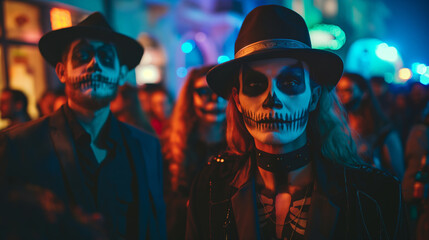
(405, 74)
(60, 18)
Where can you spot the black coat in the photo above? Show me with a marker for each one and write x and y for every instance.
(347, 202)
(42, 153)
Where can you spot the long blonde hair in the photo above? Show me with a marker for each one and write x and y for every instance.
(327, 129)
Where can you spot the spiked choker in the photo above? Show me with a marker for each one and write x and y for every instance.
(283, 162)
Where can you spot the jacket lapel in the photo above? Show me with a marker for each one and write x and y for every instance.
(137, 156)
(324, 212)
(244, 204)
(65, 150)
(244, 209)
(323, 216)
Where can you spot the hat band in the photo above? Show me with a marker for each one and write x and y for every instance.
(269, 44)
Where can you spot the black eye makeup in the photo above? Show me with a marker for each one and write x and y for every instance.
(83, 52)
(254, 83)
(106, 54)
(291, 80)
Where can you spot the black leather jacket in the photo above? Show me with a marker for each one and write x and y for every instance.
(347, 203)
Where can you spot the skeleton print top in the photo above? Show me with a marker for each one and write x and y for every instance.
(296, 219)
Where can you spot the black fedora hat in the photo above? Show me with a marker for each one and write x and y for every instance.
(95, 26)
(273, 31)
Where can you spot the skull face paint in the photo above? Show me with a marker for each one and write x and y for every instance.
(209, 107)
(274, 99)
(92, 73)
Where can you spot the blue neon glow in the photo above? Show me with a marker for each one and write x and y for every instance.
(188, 46)
(424, 79)
(327, 36)
(387, 53)
(421, 68)
(181, 72)
(414, 66)
(222, 59)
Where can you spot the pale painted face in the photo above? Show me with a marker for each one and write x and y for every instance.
(274, 99)
(91, 73)
(209, 107)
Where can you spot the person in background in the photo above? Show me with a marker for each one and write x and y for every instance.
(45, 104)
(51, 101)
(126, 107)
(91, 161)
(196, 132)
(415, 185)
(13, 106)
(143, 96)
(418, 97)
(377, 140)
(291, 170)
(381, 92)
(158, 104)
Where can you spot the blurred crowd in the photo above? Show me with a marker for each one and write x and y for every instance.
(389, 124)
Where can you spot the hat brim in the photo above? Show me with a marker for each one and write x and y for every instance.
(326, 67)
(52, 44)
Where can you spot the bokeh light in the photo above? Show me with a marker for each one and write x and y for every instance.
(386, 52)
(188, 46)
(147, 74)
(181, 72)
(421, 69)
(326, 36)
(405, 74)
(60, 18)
(424, 79)
(222, 59)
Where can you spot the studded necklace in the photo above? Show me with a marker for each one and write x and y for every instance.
(283, 162)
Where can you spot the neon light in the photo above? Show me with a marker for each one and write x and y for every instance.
(387, 53)
(60, 18)
(188, 46)
(421, 69)
(326, 36)
(424, 79)
(222, 59)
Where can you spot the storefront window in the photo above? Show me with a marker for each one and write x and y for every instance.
(26, 73)
(3, 123)
(2, 73)
(22, 22)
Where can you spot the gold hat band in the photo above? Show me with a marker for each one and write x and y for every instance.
(269, 44)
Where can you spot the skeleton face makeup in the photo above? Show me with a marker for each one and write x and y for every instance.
(91, 73)
(274, 99)
(209, 107)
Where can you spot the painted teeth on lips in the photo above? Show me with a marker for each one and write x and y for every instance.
(276, 117)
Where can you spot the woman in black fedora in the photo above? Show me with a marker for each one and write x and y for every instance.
(291, 170)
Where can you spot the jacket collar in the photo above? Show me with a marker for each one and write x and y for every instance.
(65, 149)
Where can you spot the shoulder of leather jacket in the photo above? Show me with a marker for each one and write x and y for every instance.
(224, 165)
(368, 177)
(225, 158)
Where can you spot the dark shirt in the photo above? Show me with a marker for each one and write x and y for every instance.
(112, 183)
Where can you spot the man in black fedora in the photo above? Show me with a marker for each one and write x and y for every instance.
(81, 152)
(291, 170)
